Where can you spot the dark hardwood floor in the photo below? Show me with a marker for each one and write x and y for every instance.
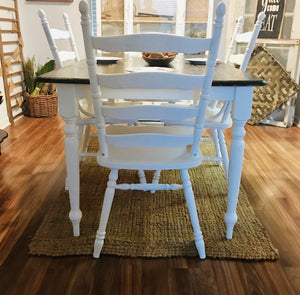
(32, 174)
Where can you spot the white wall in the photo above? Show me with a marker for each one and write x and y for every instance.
(35, 42)
(3, 114)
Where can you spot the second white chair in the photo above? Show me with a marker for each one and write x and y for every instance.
(85, 117)
(219, 117)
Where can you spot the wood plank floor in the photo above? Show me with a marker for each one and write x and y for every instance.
(32, 174)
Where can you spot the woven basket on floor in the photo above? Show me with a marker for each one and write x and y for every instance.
(41, 105)
(279, 89)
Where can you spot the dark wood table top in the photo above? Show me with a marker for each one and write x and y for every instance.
(77, 73)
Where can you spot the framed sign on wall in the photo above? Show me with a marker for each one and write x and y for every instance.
(274, 10)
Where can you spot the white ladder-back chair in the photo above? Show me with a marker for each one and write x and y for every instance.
(219, 118)
(85, 117)
(53, 34)
(144, 147)
(237, 29)
(248, 37)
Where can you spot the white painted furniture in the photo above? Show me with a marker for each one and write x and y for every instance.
(149, 147)
(219, 112)
(236, 32)
(85, 115)
(53, 34)
(249, 38)
(228, 82)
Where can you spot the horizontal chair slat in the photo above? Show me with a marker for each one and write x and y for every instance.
(150, 94)
(151, 80)
(149, 186)
(151, 42)
(60, 34)
(172, 136)
(150, 112)
(66, 55)
(149, 140)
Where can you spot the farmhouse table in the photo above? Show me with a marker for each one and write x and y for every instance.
(73, 82)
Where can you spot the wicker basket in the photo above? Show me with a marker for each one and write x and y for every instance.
(279, 89)
(40, 105)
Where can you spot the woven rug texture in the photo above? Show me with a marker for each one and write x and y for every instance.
(142, 224)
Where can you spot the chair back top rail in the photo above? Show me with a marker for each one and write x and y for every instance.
(150, 42)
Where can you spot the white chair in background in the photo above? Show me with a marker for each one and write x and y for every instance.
(53, 34)
(144, 147)
(219, 117)
(85, 116)
(232, 46)
(248, 38)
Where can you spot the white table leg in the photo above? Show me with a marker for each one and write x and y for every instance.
(68, 110)
(241, 113)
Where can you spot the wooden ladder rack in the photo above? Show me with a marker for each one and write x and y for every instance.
(11, 56)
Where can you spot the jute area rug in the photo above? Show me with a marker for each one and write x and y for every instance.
(142, 224)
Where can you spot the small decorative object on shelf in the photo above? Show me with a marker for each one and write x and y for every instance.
(40, 99)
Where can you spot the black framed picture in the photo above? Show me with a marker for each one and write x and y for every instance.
(274, 10)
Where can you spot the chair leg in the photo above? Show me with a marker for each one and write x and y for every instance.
(67, 183)
(224, 151)
(142, 176)
(155, 179)
(80, 131)
(108, 199)
(217, 146)
(86, 137)
(79, 135)
(190, 200)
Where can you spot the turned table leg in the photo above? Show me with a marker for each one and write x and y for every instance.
(241, 113)
(68, 110)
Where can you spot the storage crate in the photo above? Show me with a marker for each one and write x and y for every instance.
(279, 89)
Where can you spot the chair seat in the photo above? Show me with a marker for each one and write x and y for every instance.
(214, 123)
(211, 112)
(149, 158)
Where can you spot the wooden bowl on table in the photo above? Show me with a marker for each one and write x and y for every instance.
(159, 59)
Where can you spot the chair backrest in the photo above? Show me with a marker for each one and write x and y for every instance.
(236, 32)
(153, 81)
(248, 37)
(53, 34)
